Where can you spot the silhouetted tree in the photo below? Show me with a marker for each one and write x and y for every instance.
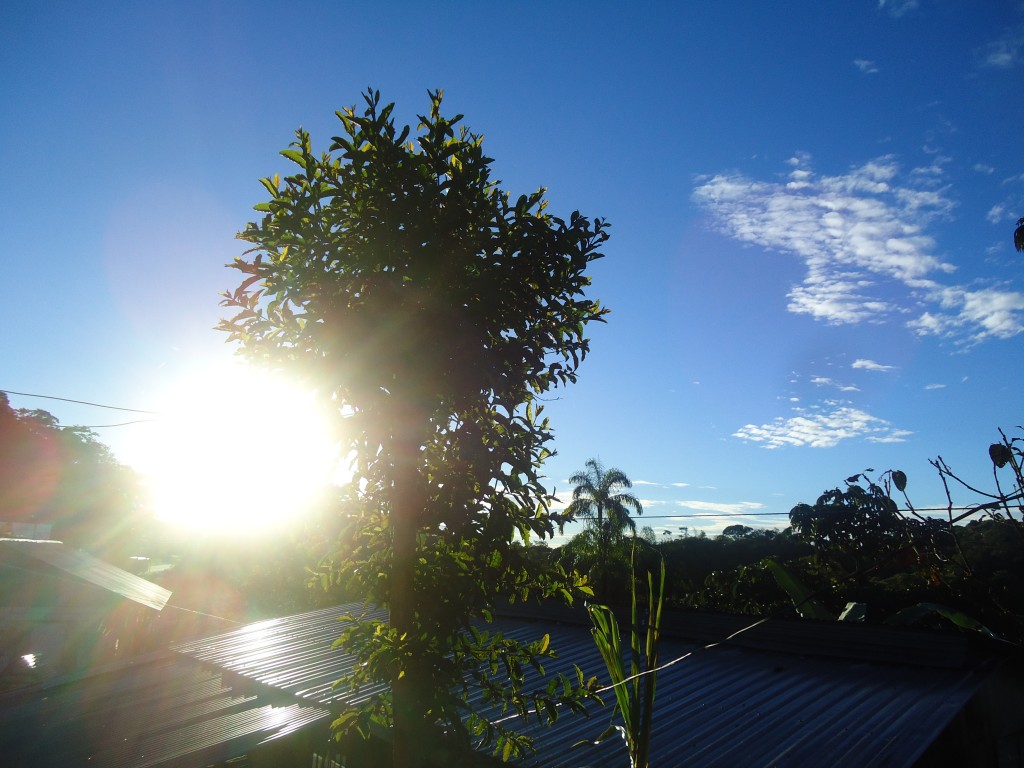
(852, 527)
(431, 308)
(599, 499)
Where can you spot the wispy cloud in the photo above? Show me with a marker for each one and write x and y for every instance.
(934, 386)
(898, 8)
(861, 236)
(648, 503)
(653, 484)
(1005, 52)
(871, 365)
(723, 507)
(996, 214)
(825, 381)
(866, 66)
(822, 427)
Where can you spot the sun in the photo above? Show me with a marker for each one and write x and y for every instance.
(239, 449)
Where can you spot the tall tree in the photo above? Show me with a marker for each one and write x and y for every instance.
(431, 308)
(598, 497)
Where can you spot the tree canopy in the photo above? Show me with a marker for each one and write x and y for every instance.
(431, 307)
(66, 478)
(600, 499)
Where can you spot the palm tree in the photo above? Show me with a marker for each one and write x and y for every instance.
(598, 498)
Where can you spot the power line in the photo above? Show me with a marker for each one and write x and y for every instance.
(771, 514)
(711, 514)
(119, 424)
(80, 402)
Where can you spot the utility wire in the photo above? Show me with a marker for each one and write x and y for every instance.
(79, 402)
(970, 509)
(119, 424)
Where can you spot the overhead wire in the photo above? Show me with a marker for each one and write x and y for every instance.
(79, 402)
(119, 424)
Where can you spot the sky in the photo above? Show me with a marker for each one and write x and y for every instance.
(811, 270)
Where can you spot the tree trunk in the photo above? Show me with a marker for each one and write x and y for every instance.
(408, 701)
(602, 543)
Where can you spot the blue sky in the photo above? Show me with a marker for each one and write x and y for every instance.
(810, 273)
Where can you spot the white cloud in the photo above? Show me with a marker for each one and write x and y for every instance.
(865, 66)
(723, 507)
(1004, 53)
(645, 482)
(897, 8)
(821, 427)
(988, 170)
(822, 381)
(679, 485)
(987, 313)
(861, 236)
(895, 436)
(996, 214)
(934, 386)
(646, 503)
(871, 365)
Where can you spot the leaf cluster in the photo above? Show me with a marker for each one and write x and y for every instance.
(846, 525)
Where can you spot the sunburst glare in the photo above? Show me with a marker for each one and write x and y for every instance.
(239, 449)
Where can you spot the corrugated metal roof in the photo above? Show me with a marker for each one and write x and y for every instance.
(292, 654)
(166, 711)
(729, 706)
(91, 569)
(723, 706)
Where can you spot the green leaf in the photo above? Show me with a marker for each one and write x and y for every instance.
(999, 454)
(295, 156)
(913, 614)
(610, 731)
(899, 479)
(854, 612)
(803, 600)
